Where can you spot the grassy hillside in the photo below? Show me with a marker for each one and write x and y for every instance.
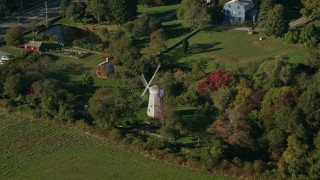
(35, 150)
(232, 48)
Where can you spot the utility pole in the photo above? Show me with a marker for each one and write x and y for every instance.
(45, 3)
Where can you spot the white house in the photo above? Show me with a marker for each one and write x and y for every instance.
(237, 11)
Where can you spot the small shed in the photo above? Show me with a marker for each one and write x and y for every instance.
(104, 69)
(33, 46)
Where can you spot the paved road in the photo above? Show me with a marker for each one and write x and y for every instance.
(30, 18)
(299, 21)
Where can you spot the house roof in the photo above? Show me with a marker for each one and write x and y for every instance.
(34, 44)
(247, 4)
(109, 67)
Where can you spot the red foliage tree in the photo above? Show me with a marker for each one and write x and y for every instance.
(216, 79)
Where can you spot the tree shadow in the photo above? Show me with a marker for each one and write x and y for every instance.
(175, 30)
(203, 48)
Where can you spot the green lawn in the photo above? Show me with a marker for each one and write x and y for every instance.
(159, 11)
(30, 149)
(230, 48)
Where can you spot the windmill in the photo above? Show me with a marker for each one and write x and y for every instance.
(155, 96)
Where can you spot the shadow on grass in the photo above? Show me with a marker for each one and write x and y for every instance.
(161, 14)
(142, 42)
(65, 75)
(170, 61)
(203, 48)
(175, 30)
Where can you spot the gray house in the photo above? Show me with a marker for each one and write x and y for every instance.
(237, 11)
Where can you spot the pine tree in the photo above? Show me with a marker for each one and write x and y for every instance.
(277, 24)
(265, 8)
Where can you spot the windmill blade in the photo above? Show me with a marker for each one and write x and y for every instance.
(154, 74)
(145, 90)
(144, 81)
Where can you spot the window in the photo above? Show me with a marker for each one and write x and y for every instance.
(239, 12)
(238, 7)
(229, 6)
(239, 18)
(233, 12)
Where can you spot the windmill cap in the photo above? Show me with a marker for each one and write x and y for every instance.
(154, 90)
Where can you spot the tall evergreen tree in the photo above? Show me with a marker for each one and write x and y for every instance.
(277, 24)
(123, 10)
(265, 8)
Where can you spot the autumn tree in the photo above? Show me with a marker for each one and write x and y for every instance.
(158, 42)
(216, 79)
(193, 14)
(233, 128)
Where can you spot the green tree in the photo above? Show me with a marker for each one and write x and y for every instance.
(109, 105)
(58, 104)
(158, 42)
(64, 4)
(193, 14)
(14, 36)
(293, 161)
(309, 36)
(292, 37)
(145, 25)
(122, 50)
(265, 8)
(185, 46)
(98, 9)
(87, 79)
(123, 10)
(311, 8)
(221, 98)
(13, 85)
(76, 11)
(216, 13)
(313, 58)
(276, 24)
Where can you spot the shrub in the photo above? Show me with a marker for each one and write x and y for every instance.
(292, 37)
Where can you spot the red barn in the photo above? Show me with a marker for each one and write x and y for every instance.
(33, 46)
(104, 69)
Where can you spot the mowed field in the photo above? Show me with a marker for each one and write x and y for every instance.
(230, 48)
(30, 149)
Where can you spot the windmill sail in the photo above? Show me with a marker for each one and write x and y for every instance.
(155, 95)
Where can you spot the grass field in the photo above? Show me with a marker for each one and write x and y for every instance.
(159, 11)
(30, 149)
(231, 48)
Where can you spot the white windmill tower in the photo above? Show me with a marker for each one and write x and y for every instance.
(155, 96)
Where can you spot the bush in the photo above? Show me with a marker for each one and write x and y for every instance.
(292, 37)
(309, 36)
(115, 135)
